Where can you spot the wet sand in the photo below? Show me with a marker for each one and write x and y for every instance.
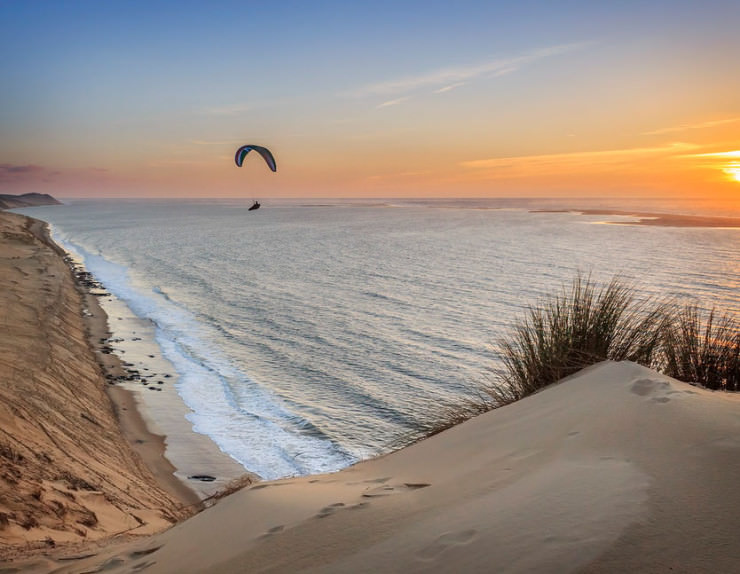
(656, 219)
(152, 382)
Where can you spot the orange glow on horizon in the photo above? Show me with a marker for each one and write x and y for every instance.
(733, 170)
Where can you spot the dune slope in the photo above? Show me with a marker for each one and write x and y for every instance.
(615, 469)
(66, 473)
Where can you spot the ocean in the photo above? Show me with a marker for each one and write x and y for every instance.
(309, 335)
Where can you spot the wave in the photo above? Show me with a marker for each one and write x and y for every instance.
(245, 420)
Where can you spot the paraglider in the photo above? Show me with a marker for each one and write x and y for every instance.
(266, 154)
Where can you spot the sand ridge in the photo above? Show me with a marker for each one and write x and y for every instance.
(615, 469)
(67, 474)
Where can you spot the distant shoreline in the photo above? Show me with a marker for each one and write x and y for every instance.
(8, 201)
(654, 219)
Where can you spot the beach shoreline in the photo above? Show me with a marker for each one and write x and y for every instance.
(80, 463)
(158, 427)
(147, 444)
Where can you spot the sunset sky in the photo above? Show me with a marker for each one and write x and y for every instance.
(371, 99)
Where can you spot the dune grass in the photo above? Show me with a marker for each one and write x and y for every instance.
(584, 325)
(702, 348)
(577, 328)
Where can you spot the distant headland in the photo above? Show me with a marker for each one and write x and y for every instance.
(26, 200)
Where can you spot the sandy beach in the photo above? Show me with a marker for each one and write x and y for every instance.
(69, 472)
(615, 469)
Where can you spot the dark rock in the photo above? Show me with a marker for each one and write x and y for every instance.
(202, 477)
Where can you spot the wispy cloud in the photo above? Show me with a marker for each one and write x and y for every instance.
(696, 126)
(449, 88)
(575, 161)
(13, 173)
(394, 102)
(22, 174)
(725, 154)
(454, 76)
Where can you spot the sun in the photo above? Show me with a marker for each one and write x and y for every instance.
(733, 170)
(731, 165)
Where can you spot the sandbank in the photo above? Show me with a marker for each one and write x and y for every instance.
(655, 219)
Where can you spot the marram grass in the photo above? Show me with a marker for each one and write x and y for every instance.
(585, 325)
(702, 348)
(577, 328)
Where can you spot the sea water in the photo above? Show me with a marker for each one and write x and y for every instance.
(309, 335)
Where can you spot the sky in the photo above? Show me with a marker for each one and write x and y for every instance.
(371, 99)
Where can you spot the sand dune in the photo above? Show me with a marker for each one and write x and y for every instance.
(616, 469)
(67, 475)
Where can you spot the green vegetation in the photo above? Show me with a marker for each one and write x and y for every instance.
(585, 325)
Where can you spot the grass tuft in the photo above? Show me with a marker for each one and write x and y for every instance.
(704, 349)
(584, 325)
(577, 328)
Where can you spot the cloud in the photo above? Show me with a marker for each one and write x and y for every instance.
(575, 161)
(9, 168)
(697, 126)
(454, 76)
(449, 88)
(14, 173)
(729, 154)
(393, 102)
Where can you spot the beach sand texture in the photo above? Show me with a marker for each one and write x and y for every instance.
(615, 469)
(67, 474)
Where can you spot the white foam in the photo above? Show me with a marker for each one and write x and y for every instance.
(249, 424)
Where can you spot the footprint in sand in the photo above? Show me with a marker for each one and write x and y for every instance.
(389, 489)
(328, 510)
(273, 531)
(146, 552)
(658, 391)
(445, 541)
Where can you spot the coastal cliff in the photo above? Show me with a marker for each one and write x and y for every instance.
(67, 474)
(26, 200)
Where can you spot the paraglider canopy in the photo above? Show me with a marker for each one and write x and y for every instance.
(242, 152)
